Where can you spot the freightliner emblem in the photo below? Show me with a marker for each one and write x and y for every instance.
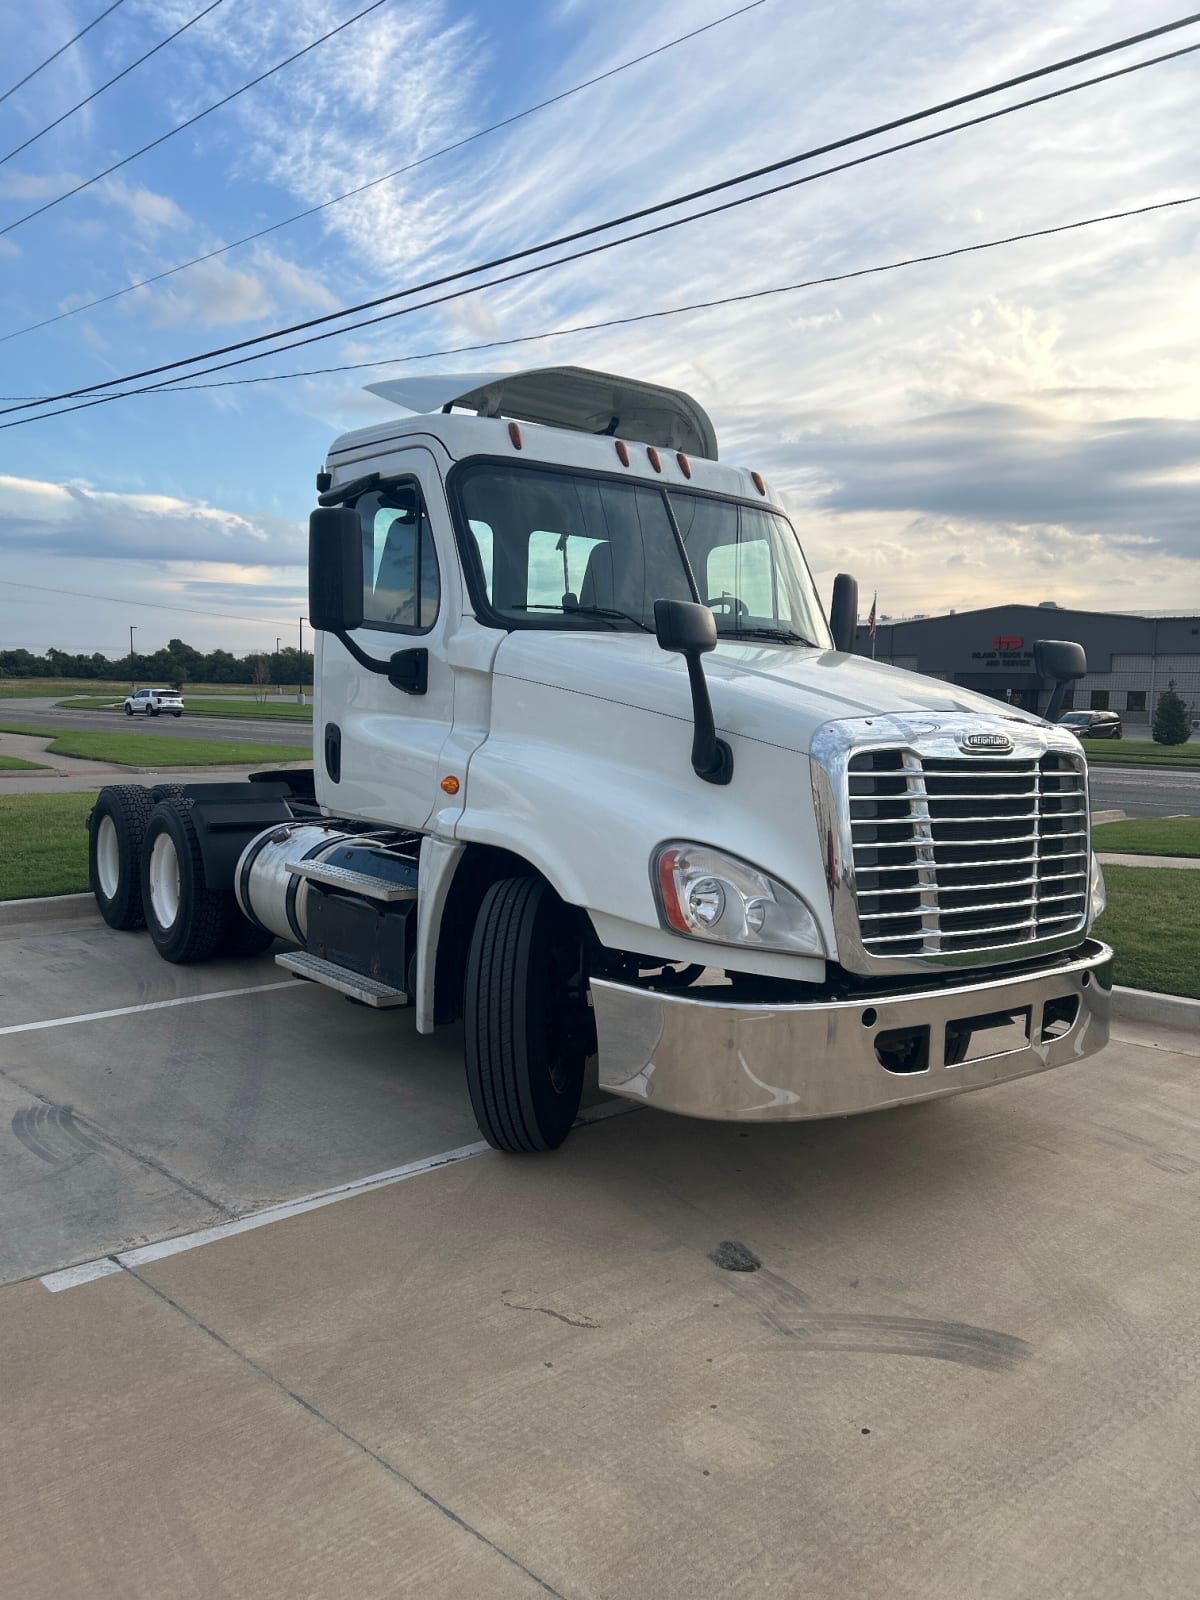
(995, 743)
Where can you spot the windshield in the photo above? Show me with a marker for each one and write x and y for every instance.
(559, 549)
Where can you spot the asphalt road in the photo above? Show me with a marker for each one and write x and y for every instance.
(967, 1367)
(240, 730)
(1146, 791)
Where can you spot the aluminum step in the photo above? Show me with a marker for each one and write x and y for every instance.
(363, 883)
(369, 990)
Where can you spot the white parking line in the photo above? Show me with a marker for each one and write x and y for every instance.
(149, 1005)
(141, 1255)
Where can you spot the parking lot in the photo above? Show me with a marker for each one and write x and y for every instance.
(967, 1366)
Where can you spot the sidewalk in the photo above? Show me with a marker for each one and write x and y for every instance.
(1188, 863)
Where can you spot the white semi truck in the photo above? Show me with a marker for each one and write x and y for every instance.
(594, 774)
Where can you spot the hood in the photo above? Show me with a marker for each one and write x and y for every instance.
(778, 694)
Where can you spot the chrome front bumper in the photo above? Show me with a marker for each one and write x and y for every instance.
(703, 1056)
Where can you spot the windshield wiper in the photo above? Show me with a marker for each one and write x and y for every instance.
(587, 611)
(778, 635)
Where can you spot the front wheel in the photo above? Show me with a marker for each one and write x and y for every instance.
(128, 709)
(528, 1026)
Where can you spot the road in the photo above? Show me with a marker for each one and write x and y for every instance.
(241, 730)
(1146, 791)
(967, 1366)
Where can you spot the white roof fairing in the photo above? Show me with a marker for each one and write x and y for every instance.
(575, 398)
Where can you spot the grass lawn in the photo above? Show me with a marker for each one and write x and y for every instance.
(116, 688)
(1140, 753)
(1153, 925)
(155, 750)
(1150, 836)
(45, 844)
(15, 764)
(273, 708)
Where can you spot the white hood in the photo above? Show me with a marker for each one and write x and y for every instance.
(779, 694)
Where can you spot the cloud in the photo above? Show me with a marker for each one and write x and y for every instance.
(149, 210)
(76, 521)
(213, 294)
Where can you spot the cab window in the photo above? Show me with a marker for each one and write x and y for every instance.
(401, 587)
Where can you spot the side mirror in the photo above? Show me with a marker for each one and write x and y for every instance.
(1061, 660)
(843, 611)
(335, 569)
(692, 630)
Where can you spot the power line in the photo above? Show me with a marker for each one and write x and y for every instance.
(74, 40)
(560, 260)
(660, 206)
(191, 121)
(696, 305)
(151, 605)
(125, 71)
(312, 211)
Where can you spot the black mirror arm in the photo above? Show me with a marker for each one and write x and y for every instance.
(1055, 703)
(712, 758)
(407, 669)
(348, 491)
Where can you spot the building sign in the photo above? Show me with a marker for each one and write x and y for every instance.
(1007, 651)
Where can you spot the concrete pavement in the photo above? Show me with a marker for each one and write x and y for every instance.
(967, 1366)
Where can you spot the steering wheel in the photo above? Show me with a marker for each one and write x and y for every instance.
(730, 604)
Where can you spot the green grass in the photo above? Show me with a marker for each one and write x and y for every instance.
(1140, 753)
(153, 750)
(116, 688)
(1150, 836)
(15, 764)
(1153, 925)
(273, 708)
(45, 844)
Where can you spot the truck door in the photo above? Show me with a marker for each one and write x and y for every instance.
(376, 746)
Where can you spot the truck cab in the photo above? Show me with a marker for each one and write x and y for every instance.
(593, 773)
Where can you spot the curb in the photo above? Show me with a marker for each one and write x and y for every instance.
(47, 909)
(1108, 816)
(1142, 1005)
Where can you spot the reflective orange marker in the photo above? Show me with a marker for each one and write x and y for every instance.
(622, 452)
(450, 785)
(652, 458)
(685, 466)
(514, 433)
(758, 482)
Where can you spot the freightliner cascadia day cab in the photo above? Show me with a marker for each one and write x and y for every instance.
(593, 774)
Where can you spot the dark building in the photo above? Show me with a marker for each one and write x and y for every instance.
(1130, 659)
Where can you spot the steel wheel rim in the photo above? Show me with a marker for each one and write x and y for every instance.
(108, 858)
(164, 880)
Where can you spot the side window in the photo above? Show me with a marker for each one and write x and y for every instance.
(401, 588)
(483, 544)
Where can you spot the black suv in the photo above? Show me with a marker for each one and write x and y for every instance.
(1092, 724)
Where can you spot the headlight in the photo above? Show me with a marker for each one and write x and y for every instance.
(705, 894)
(1097, 896)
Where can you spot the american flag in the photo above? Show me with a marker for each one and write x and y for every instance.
(871, 618)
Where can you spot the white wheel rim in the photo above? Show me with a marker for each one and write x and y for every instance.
(164, 880)
(108, 858)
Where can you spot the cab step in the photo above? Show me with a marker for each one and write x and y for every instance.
(369, 991)
(364, 883)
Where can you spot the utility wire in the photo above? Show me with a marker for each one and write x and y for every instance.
(191, 121)
(124, 600)
(125, 71)
(373, 183)
(75, 40)
(545, 266)
(652, 210)
(178, 386)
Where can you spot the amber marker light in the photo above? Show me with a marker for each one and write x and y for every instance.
(758, 482)
(450, 784)
(667, 863)
(652, 458)
(685, 466)
(514, 433)
(622, 452)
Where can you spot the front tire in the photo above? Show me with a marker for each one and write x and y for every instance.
(528, 1027)
(115, 831)
(185, 917)
(128, 709)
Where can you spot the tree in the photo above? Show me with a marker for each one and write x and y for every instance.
(260, 667)
(1170, 718)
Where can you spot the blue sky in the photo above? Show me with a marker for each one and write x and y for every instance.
(1018, 425)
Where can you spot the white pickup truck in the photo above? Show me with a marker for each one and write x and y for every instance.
(594, 773)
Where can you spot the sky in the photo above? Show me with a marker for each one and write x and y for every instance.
(1019, 424)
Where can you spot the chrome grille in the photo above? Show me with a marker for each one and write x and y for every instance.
(954, 854)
